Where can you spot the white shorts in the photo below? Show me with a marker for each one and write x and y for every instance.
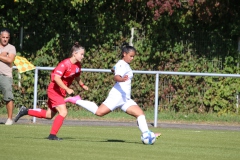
(116, 101)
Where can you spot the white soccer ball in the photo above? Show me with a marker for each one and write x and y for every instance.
(148, 137)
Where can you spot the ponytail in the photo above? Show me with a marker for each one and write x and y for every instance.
(126, 48)
(75, 48)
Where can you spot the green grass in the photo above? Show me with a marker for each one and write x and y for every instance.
(210, 118)
(21, 142)
(228, 119)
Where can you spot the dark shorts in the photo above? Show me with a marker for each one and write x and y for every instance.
(6, 87)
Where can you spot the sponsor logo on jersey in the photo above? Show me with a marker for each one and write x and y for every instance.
(77, 70)
(70, 75)
(59, 72)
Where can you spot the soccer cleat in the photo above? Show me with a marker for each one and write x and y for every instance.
(72, 99)
(9, 122)
(157, 135)
(22, 112)
(54, 137)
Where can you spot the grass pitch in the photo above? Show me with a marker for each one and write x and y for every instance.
(28, 141)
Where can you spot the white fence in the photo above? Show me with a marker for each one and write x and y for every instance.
(157, 73)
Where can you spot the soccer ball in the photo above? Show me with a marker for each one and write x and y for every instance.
(148, 137)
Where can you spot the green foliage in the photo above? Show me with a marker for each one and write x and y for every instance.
(186, 41)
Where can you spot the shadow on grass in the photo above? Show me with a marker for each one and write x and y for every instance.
(118, 141)
(114, 140)
(107, 141)
(46, 138)
(62, 139)
(76, 139)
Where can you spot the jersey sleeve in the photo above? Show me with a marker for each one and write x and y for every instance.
(120, 69)
(59, 70)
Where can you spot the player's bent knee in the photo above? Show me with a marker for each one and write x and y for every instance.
(63, 114)
(99, 114)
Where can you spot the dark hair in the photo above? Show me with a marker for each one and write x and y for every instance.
(75, 48)
(4, 30)
(126, 48)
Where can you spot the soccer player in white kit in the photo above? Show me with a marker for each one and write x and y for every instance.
(120, 95)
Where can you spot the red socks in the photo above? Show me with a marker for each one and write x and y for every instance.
(40, 113)
(57, 123)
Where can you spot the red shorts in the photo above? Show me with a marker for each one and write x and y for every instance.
(54, 99)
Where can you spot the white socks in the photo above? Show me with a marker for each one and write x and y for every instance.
(142, 123)
(90, 106)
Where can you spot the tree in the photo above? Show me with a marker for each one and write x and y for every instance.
(220, 14)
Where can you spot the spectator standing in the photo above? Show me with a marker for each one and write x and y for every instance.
(7, 56)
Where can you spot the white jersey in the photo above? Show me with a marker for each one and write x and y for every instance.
(123, 89)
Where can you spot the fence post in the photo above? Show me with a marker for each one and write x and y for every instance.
(21, 38)
(132, 36)
(35, 91)
(156, 100)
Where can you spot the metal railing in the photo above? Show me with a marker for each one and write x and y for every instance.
(157, 73)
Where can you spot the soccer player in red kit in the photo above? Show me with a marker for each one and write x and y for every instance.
(61, 78)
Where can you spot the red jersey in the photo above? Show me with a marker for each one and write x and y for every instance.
(68, 72)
